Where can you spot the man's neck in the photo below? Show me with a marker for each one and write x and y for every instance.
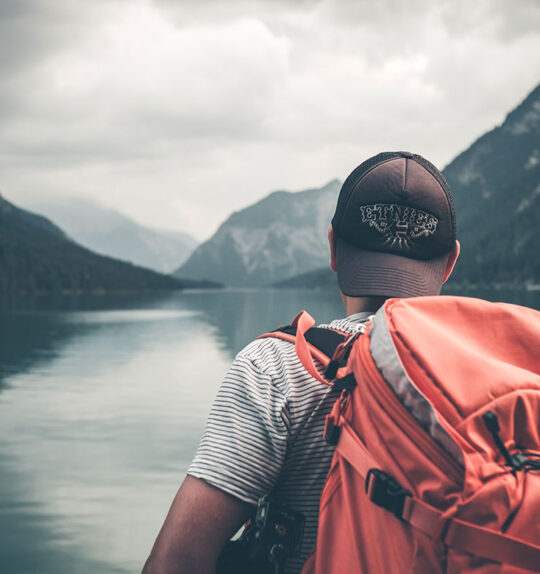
(359, 304)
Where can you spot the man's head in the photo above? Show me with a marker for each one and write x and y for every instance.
(394, 233)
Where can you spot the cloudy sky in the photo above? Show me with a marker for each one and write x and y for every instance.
(178, 112)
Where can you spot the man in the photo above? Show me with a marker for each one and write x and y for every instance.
(392, 235)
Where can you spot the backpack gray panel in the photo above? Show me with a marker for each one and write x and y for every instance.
(386, 358)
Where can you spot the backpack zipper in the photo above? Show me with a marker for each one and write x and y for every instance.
(386, 396)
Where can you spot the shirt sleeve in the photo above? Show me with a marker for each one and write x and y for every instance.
(245, 441)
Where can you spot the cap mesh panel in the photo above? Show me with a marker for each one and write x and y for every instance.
(359, 172)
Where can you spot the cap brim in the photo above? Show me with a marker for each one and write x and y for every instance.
(364, 273)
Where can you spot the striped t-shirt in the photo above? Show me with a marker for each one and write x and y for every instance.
(265, 431)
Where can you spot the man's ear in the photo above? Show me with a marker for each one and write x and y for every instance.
(452, 258)
(331, 241)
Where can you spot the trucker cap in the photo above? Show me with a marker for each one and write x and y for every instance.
(394, 227)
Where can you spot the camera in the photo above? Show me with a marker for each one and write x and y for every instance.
(267, 540)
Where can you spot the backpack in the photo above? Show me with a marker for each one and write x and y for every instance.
(437, 434)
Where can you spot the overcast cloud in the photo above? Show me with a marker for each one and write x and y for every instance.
(178, 113)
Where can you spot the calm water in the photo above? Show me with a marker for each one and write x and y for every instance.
(102, 403)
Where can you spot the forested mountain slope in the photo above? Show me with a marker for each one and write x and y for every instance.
(37, 257)
(496, 186)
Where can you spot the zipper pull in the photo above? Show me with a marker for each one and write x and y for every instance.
(332, 425)
(492, 424)
(331, 432)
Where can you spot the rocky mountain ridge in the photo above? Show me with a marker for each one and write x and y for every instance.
(282, 235)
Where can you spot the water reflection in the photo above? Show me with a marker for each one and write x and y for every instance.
(241, 315)
(33, 540)
(101, 416)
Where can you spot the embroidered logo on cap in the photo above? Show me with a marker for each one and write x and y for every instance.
(400, 224)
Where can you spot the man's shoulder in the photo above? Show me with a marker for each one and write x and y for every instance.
(265, 348)
(274, 345)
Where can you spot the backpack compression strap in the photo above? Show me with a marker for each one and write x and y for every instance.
(310, 342)
(384, 491)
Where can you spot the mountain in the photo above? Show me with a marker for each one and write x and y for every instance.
(109, 232)
(496, 189)
(36, 256)
(282, 235)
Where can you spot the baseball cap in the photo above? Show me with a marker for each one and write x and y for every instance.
(394, 227)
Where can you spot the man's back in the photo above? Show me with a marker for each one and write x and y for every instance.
(265, 432)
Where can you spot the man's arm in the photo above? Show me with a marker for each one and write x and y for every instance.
(200, 521)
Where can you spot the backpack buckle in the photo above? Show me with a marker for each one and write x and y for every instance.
(331, 432)
(384, 490)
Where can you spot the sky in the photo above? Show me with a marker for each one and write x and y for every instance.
(178, 113)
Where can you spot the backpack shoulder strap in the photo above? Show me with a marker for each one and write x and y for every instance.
(310, 342)
(324, 340)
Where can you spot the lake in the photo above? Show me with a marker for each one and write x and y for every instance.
(102, 403)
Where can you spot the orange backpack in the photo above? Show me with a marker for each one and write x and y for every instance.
(437, 461)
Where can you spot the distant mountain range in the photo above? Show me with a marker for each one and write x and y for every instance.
(496, 188)
(109, 232)
(278, 237)
(36, 256)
